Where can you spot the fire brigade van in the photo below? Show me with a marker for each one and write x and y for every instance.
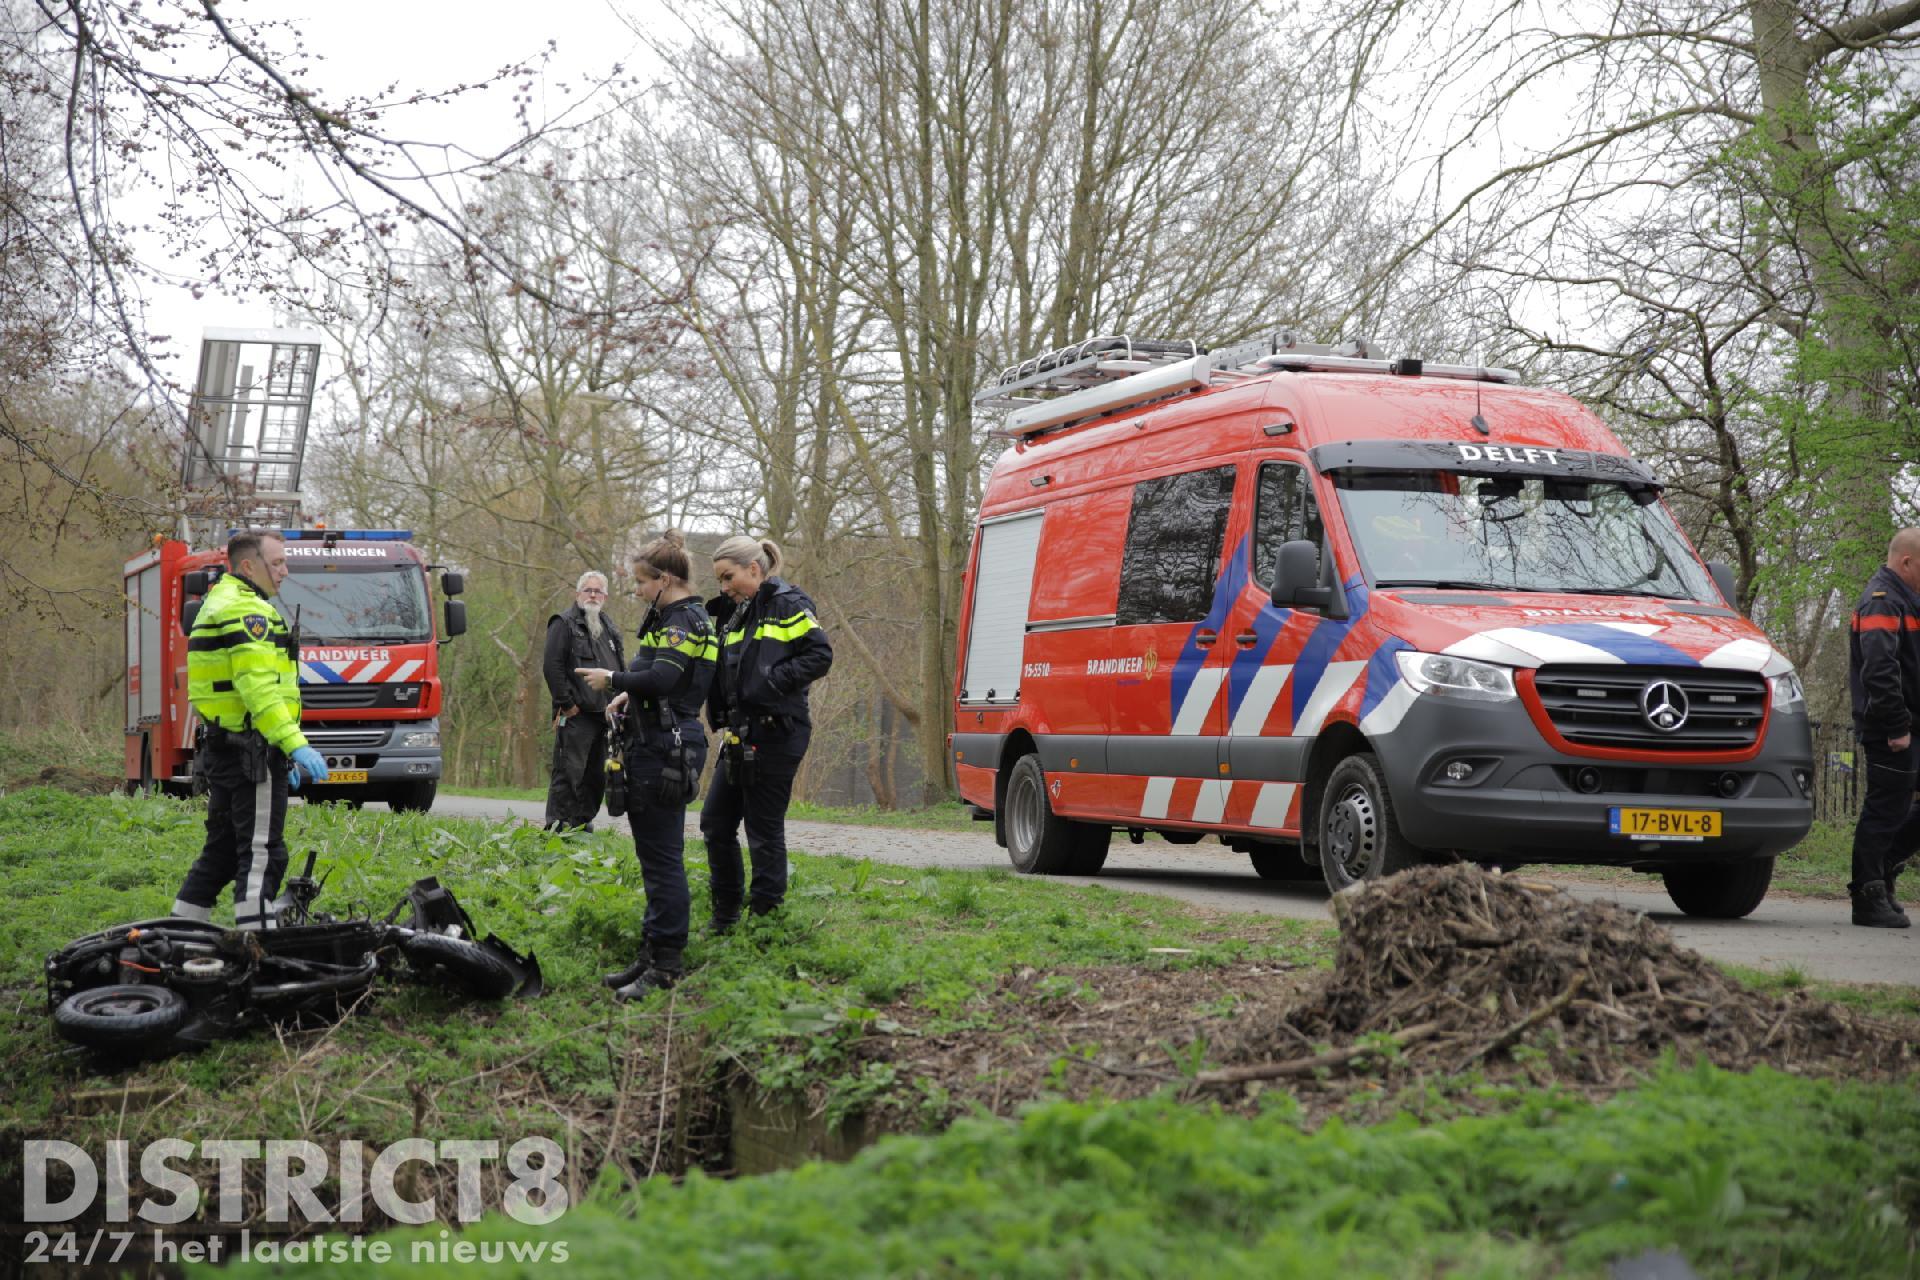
(370, 686)
(1349, 614)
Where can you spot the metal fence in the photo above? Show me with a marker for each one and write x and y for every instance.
(1836, 772)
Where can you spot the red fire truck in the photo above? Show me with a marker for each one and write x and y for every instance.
(370, 685)
(1347, 614)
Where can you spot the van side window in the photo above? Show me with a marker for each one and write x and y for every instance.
(1283, 511)
(1175, 534)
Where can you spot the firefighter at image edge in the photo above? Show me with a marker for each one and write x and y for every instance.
(1883, 670)
(243, 678)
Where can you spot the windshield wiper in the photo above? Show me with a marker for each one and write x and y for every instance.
(1455, 584)
(1625, 591)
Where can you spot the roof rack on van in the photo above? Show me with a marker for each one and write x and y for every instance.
(1327, 363)
(1112, 371)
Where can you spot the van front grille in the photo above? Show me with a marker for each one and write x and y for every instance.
(1607, 706)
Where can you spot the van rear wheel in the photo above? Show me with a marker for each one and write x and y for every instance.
(1039, 841)
(1359, 832)
(1719, 890)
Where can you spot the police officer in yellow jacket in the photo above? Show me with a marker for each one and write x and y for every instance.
(243, 678)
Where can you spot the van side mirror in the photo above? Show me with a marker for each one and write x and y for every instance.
(195, 583)
(1722, 575)
(456, 619)
(189, 610)
(1303, 579)
(453, 583)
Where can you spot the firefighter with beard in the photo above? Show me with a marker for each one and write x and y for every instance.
(658, 701)
(578, 638)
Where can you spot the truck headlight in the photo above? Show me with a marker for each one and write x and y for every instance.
(422, 738)
(1788, 693)
(1450, 677)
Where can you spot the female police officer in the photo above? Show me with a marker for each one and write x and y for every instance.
(665, 747)
(771, 648)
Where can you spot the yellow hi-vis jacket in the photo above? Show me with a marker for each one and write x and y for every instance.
(241, 671)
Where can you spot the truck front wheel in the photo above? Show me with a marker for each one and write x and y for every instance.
(1359, 833)
(1039, 841)
(413, 797)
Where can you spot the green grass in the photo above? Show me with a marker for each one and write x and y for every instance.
(784, 998)
(1754, 1175)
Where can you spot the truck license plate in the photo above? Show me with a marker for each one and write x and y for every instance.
(1664, 824)
(346, 775)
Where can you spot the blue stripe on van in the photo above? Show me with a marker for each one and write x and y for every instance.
(1320, 647)
(1382, 673)
(1623, 645)
(1226, 592)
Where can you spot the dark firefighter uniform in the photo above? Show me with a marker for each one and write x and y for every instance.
(771, 648)
(665, 750)
(579, 775)
(244, 680)
(1883, 669)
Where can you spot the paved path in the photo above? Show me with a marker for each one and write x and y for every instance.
(1808, 934)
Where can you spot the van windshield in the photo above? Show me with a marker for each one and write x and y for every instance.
(386, 604)
(1516, 533)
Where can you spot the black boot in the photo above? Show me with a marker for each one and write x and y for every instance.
(622, 977)
(661, 974)
(1893, 873)
(1874, 910)
(725, 916)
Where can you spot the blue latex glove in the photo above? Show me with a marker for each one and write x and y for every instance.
(309, 761)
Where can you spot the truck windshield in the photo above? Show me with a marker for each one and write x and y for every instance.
(374, 604)
(1517, 533)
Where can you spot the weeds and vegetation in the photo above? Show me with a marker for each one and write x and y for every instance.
(24, 752)
(868, 956)
(1697, 1160)
(784, 999)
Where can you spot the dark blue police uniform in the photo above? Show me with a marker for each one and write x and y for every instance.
(771, 648)
(665, 749)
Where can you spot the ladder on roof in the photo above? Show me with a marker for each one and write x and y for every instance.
(1111, 372)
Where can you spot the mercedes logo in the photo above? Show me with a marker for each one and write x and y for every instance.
(1664, 704)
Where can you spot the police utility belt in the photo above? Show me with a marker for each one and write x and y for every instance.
(739, 757)
(249, 745)
(678, 782)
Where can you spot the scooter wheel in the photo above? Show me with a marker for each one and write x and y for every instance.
(470, 966)
(121, 1017)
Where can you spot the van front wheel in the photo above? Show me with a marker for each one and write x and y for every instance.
(1039, 841)
(1720, 890)
(1360, 836)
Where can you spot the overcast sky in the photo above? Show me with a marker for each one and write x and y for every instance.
(368, 45)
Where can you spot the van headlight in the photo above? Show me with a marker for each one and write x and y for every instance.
(1788, 693)
(421, 738)
(1451, 677)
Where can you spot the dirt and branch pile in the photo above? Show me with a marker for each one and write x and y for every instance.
(1459, 965)
(1442, 974)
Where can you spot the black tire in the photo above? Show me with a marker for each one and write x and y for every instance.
(470, 966)
(1719, 890)
(1038, 841)
(123, 1016)
(1282, 862)
(413, 797)
(1359, 832)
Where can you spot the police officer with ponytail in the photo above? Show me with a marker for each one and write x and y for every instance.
(664, 748)
(771, 648)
